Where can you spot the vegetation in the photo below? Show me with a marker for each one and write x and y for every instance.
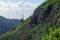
(45, 16)
(53, 35)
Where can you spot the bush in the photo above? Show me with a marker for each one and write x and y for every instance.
(53, 35)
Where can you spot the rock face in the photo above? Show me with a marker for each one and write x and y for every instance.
(48, 15)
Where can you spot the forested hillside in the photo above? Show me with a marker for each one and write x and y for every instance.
(44, 24)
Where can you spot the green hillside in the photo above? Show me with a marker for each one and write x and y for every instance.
(38, 26)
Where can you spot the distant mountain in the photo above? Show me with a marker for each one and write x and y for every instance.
(7, 24)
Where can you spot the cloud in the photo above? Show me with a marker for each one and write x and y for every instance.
(15, 10)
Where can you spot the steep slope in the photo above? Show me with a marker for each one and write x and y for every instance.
(7, 24)
(45, 16)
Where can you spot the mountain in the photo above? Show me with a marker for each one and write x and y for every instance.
(7, 24)
(38, 25)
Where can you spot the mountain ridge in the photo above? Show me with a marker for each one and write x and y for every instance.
(7, 24)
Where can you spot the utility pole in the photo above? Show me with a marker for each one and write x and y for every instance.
(22, 19)
(23, 16)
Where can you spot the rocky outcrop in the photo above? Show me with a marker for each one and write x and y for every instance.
(47, 15)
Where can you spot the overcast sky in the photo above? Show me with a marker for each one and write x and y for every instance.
(13, 9)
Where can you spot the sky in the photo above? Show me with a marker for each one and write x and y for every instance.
(13, 9)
